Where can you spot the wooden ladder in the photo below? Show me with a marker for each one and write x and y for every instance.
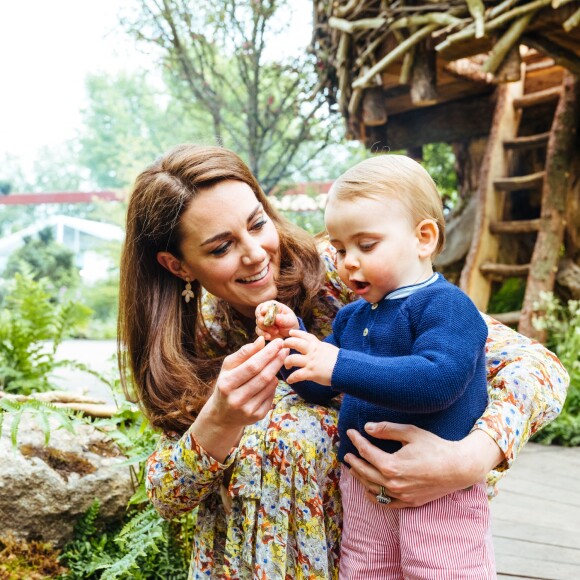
(514, 147)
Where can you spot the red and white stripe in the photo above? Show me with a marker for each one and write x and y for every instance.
(446, 539)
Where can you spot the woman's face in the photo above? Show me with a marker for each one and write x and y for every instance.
(230, 246)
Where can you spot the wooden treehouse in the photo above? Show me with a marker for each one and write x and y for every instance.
(498, 81)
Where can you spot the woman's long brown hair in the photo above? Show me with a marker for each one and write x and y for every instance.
(156, 328)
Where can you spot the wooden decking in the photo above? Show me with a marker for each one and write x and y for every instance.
(536, 516)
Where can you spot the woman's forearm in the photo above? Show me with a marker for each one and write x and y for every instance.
(216, 438)
(479, 455)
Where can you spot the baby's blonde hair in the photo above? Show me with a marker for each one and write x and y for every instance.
(400, 178)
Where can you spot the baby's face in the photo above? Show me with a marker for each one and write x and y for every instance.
(378, 245)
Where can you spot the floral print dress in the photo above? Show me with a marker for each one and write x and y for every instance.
(285, 516)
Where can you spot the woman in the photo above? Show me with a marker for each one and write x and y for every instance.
(203, 248)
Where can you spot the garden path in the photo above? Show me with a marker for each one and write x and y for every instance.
(536, 516)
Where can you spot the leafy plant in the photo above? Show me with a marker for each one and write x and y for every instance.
(562, 322)
(32, 326)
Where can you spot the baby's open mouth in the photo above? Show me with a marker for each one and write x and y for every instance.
(360, 285)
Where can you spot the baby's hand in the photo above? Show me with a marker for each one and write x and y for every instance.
(274, 319)
(316, 359)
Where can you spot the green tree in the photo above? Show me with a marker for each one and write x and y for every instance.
(45, 258)
(215, 52)
(127, 124)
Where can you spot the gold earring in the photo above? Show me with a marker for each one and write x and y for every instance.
(188, 292)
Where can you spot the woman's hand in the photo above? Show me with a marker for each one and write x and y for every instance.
(243, 394)
(425, 468)
(276, 324)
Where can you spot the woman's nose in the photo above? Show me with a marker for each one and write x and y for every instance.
(253, 252)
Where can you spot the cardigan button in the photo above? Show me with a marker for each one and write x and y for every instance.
(374, 306)
(365, 331)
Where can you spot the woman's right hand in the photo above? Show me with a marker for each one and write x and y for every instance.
(243, 394)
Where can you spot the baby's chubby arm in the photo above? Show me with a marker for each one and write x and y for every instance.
(275, 320)
(314, 360)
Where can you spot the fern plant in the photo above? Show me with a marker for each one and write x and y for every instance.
(32, 326)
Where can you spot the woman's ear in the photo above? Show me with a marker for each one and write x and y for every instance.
(428, 235)
(171, 263)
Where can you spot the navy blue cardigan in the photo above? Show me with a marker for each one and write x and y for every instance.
(417, 356)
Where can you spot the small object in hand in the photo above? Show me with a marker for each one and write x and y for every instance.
(271, 313)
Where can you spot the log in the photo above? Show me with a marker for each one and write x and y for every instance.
(450, 122)
(529, 142)
(507, 42)
(538, 98)
(519, 182)
(508, 318)
(515, 227)
(394, 54)
(561, 56)
(373, 106)
(500, 272)
(544, 263)
(510, 69)
(424, 76)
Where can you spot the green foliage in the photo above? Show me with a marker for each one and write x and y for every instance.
(439, 161)
(32, 326)
(144, 547)
(509, 297)
(562, 321)
(47, 259)
(127, 124)
(264, 107)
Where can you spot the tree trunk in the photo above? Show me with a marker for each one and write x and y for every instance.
(544, 264)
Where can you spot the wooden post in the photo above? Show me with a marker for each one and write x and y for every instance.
(546, 255)
(424, 76)
(373, 107)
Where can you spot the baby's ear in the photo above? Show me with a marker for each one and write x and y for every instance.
(427, 233)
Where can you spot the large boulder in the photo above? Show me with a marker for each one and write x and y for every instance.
(45, 488)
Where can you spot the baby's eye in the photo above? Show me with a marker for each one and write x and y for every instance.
(341, 252)
(368, 246)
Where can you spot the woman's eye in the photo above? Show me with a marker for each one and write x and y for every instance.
(221, 250)
(259, 225)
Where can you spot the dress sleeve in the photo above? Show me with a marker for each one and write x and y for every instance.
(527, 387)
(181, 474)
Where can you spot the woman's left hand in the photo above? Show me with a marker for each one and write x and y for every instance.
(425, 468)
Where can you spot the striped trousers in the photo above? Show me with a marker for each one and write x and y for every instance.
(446, 539)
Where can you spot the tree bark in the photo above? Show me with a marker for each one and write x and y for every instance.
(544, 264)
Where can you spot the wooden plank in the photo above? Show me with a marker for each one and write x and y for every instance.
(519, 182)
(499, 272)
(536, 516)
(507, 318)
(538, 97)
(515, 227)
(529, 142)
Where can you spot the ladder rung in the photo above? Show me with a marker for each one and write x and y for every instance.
(520, 182)
(515, 227)
(502, 271)
(508, 318)
(538, 98)
(527, 142)
(541, 65)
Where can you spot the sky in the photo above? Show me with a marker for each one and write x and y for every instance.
(48, 47)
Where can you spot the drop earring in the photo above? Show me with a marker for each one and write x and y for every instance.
(188, 292)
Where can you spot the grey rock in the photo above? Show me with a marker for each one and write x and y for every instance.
(45, 488)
